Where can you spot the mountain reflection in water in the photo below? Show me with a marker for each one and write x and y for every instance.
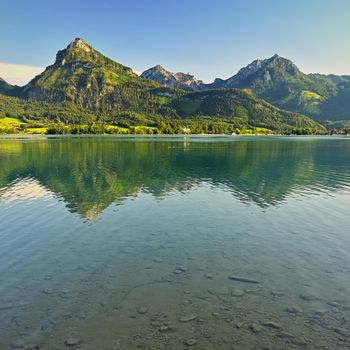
(90, 174)
(170, 243)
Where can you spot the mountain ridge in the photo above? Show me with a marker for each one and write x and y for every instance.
(177, 80)
(279, 81)
(83, 79)
(8, 89)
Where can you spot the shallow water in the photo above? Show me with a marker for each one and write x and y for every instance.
(130, 243)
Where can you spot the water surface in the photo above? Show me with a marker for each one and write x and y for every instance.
(130, 243)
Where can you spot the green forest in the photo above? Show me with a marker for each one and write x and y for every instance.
(84, 92)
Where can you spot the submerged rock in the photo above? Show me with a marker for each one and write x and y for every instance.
(308, 297)
(277, 293)
(17, 344)
(72, 341)
(227, 340)
(255, 328)
(142, 310)
(320, 312)
(164, 329)
(272, 324)
(243, 279)
(298, 341)
(47, 291)
(237, 293)
(334, 303)
(343, 332)
(31, 347)
(187, 318)
(191, 342)
(222, 291)
(6, 306)
(251, 290)
(285, 335)
(180, 269)
(294, 309)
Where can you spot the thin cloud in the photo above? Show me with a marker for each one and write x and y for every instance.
(18, 74)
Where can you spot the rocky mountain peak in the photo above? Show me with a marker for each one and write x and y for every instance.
(158, 67)
(156, 71)
(176, 80)
(79, 43)
(77, 49)
(279, 60)
(250, 69)
(285, 64)
(266, 70)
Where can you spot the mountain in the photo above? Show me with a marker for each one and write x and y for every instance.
(280, 82)
(8, 89)
(174, 80)
(242, 108)
(83, 76)
(330, 78)
(83, 87)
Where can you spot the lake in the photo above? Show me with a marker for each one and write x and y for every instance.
(152, 243)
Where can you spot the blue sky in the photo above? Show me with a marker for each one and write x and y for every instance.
(209, 38)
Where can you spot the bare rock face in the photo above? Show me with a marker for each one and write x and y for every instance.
(247, 71)
(175, 80)
(79, 43)
(83, 76)
(69, 54)
(247, 77)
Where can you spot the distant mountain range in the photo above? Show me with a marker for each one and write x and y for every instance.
(280, 82)
(174, 80)
(84, 86)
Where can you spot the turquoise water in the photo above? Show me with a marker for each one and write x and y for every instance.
(175, 243)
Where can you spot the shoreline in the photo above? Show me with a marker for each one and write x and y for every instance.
(157, 136)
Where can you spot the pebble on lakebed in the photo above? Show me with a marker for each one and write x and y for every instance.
(72, 341)
(221, 291)
(243, 279)
(17, 344)
(308, 297)
(277, 293)
(164, 329)
(31, 347)
(272, 324)
(255, 328)
(180, 269)
(191, 342)
(187, 318)
(6, 306)
(237, 292)
(294, 309)
(142, 310)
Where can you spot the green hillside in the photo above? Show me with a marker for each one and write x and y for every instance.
(242, 108)
(279, 81)
(83, 76)
(8, 89)
(84, 88)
